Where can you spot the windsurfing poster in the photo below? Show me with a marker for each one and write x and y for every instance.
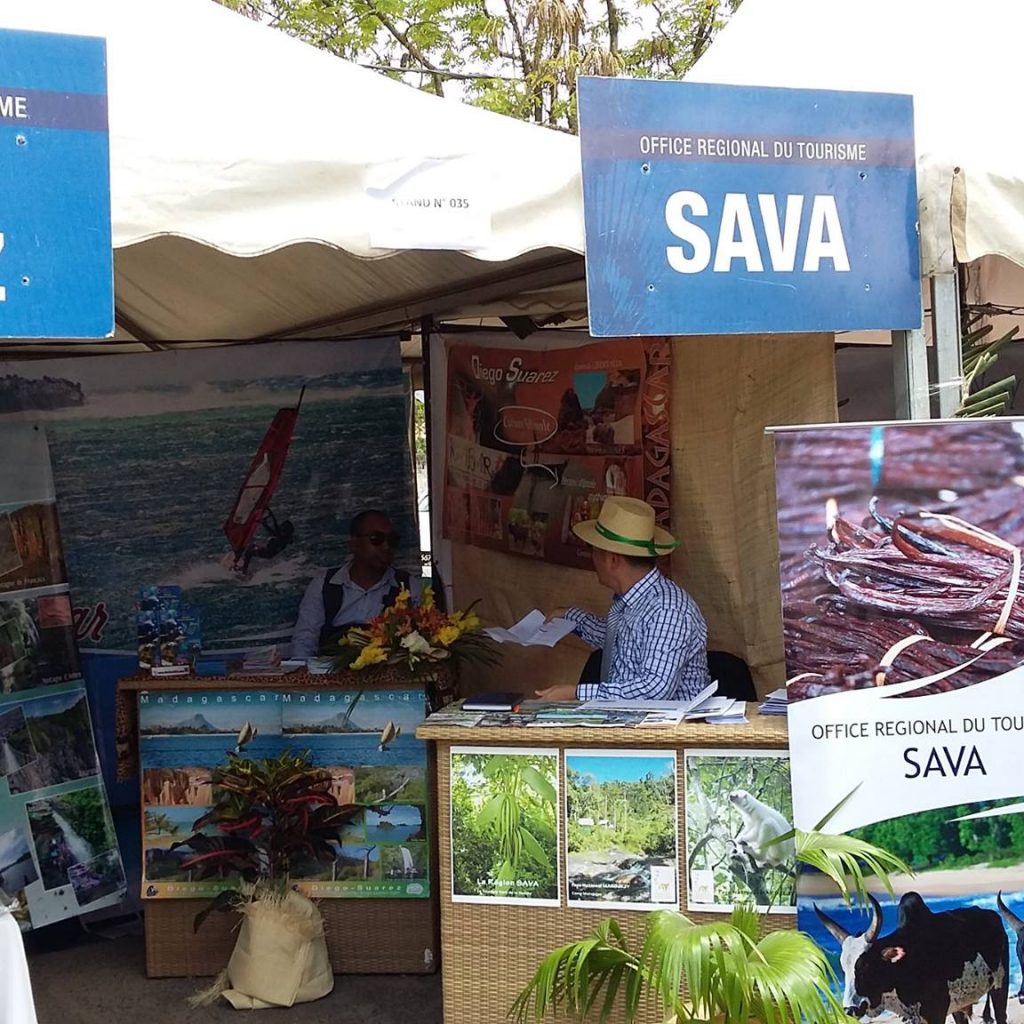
(900, 551)
(230, 472)
(538, 437)
(58, 850)
(363, 740)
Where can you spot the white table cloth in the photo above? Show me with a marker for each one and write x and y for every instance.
(16, 1005)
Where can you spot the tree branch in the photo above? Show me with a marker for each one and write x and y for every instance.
(517, 33)
(413, 50)
(462, 76)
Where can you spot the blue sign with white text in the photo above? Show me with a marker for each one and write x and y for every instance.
(56, 262)
(715, 209)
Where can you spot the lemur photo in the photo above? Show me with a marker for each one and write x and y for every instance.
(738, 804)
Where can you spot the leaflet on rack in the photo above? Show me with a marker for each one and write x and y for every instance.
(532, 630)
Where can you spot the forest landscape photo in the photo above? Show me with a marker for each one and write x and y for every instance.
(738, 803)
(504, 825)
(621, 835)
(59, 730)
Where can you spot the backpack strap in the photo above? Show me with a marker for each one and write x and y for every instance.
(333, 594)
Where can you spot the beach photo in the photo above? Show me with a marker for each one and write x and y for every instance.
(358, 729)
(188, 733)
(164, 827)
(17, 868)
(738, 803)
(60, 732)
(620, 831)
(896, 550)
(504, 825)
(395, 823)
(68, 832)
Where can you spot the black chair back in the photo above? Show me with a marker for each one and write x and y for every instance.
(732, 675)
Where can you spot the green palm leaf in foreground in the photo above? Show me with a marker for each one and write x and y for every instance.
(705, 972)
(729, 973)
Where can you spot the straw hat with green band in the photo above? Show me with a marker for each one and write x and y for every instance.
(626, 526)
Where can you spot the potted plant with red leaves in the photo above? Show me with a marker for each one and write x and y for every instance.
(271, 816)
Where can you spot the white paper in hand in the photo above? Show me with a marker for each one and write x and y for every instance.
(532, 630)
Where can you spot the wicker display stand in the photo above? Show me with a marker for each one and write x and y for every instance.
(489, 952)
(364, 936)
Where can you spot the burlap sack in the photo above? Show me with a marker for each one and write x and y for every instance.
(280, 957)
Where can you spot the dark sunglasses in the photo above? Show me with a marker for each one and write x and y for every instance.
(378, 537)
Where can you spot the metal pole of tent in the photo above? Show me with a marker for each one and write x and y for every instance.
(946, 331)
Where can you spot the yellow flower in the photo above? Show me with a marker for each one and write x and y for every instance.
(469, 623)
(403, 598)
(427, 598)
(371, 654)
(447, 635)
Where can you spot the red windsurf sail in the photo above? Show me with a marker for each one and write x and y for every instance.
(261, 480)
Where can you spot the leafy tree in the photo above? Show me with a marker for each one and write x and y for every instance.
(516, 57)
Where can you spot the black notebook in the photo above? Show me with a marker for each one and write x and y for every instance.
(493, 702)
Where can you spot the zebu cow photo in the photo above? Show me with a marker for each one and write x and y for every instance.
(942, 947)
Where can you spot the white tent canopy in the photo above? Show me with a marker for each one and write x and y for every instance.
(230, 139)
(960, 63)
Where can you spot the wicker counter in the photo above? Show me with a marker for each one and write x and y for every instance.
(490, 951)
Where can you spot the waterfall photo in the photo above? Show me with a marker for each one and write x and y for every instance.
(71, 832)
(16, 747)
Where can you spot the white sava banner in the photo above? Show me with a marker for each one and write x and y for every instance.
(900, 755)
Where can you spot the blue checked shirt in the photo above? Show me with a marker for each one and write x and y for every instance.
(660, 648)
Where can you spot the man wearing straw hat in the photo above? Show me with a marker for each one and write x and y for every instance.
(654, 638)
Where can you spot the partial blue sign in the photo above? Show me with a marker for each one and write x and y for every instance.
(714, 209)
(56, 263)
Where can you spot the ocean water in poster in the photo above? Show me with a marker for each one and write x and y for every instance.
(904, 621)
(58, 850)
(150, 451)
(382, 852)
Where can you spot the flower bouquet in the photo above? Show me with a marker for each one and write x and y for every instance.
(416, 636)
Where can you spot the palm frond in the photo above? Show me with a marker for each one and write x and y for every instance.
(847, 861)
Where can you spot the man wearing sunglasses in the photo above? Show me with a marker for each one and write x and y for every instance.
(354, 592)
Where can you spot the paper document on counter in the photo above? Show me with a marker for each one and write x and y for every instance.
(532, 630)
(652, 705)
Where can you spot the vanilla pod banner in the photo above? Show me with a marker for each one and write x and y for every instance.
(900, 558)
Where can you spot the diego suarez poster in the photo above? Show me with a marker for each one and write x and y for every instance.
(538, 438)
(904, 620)
(350, 734)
